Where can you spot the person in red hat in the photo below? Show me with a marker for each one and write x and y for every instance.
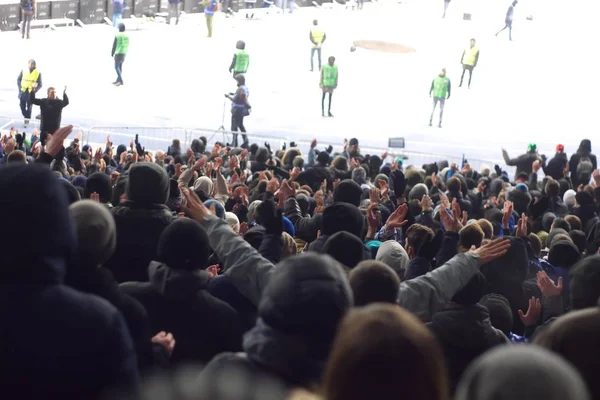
(558, 166)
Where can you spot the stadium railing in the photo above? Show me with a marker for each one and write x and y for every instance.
(151, 138)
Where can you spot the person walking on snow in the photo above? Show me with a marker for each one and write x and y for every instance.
(328, 83)
(509, 20)
(119, 50)
(469, 60)
(210, 7)
(29, 80)
(440, 87)
(28, 12)
(317, 37)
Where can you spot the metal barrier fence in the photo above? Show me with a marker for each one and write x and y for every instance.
(159, 138)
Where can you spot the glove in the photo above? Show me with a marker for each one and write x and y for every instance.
(293, 144)
(428, 250)
(498, 170)
(272, 217)
(397, 182)
(329, 149)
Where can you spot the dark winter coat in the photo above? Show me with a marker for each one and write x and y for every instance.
(556, 166)
(178, 302)
(55, 342)
(306, 227)
(314, 176)
(464, 332)
(138, 231)
(574, 162)
(523, 162)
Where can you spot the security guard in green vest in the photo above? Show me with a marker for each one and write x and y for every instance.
(317, 37)
(469, 59)
(440, 87)
(119, 50)
(30, 79)
(329, 81)
(241, 59)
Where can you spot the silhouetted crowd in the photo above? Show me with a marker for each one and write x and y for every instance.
(260, 273)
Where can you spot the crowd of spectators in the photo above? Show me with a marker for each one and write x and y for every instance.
(260, 273)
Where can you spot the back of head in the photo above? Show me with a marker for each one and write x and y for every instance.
(553, 234)
(416, 235)
(121, 27)
(359, 175)
(500, 312)
(418, 191)
(148, 184)
(584, 283)
(472, 292)
(16, 157)
(454, 185)
(96, 232)
(262, 155)
(585, 147)
(241, 45)
(384, 352)
(574, 222)
(487, 228)
(374, 282)
(563, 253)
(392, 254)
(560, 223)
(184, 245)
(521, 373)
(345, 248)
(536, 244)
(470, 235)
(306, 297)
(339, 217)
(100, 183)
(579, 239)
(576, 337)
(552, 188)
(37, 213)
(348, 191)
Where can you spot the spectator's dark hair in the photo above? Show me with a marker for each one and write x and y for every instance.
(340, 162)
(15, 157)
(574, 222)
(416, 235)
(560, 223)
(374, 282)
(536, 244)
(454, 185)
(472, 292)
(579, 239)
(470, 235)
(552, 188)
(408, 360)
(487, 228)
(176, 143)
(584, 282)
(118, 191)
(298, 162)
(262, 155)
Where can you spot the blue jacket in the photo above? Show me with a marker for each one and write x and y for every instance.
(209, 11)
(118, 6)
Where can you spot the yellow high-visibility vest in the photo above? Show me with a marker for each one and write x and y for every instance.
(317, 36)
(28, 78)
(470, 55)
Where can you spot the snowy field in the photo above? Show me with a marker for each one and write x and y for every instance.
(539, 88)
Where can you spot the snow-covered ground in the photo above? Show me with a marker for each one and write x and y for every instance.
(539, 88)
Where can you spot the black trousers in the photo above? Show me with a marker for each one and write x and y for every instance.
(467, 68)
(237, 124)
(26, 105)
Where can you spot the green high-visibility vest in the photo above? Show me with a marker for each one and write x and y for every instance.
(440, 87)
(122, 43)
(241, 62)
(330, 75)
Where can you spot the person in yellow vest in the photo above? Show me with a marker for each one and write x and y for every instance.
(241, 60)
(469, 59)
(119, 51)
(317, 37)
(328, 83)
(30, 79)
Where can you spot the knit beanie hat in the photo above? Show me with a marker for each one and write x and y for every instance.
(346, 248)
(348, 191)
(96, 231)
(522, 187)
(184, 245)
(418, 191)
(394, 256)
(100, 183)
(233, 221)
(79, 181)
(500, 312)
(148, 184)
(569, 198)
(220, 210)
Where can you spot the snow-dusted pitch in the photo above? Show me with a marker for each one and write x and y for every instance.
(539, 88)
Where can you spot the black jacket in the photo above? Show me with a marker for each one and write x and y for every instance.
(138, 231)
(314, 176)
(306, 227)
(55, 342)
(178, 302)
(464, 332)
(51, 112)
(100, 282)
(556, 166)
(523, 162)
(574, 161)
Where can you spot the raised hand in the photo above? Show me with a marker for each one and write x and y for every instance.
(294, 173)
(491, 251)
(426, 204)
(166, 340)
(95, 197)
(507, 213)
(522, 226)
(398, 218)
(373, 217)
(374, 196)
(535, 166)
(384, 187)
(55, 142)
(547, 287)
(272, 185)
(194, 207)
(533, 312)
